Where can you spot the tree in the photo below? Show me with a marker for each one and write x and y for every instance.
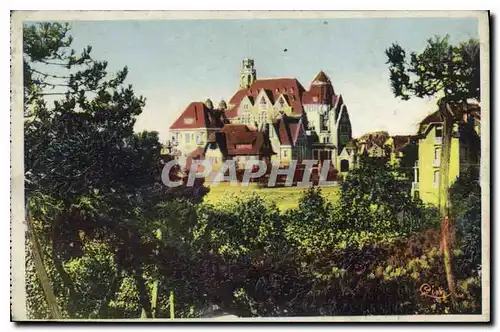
(374, 198)
(89, 177)
(443, 70)
(450, 72)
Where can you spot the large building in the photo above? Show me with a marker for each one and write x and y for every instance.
(299, 123)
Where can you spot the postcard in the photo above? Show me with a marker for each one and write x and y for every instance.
(250, 166)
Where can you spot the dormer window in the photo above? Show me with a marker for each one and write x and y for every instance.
(291, 90)
(439, 131)
(315, 98)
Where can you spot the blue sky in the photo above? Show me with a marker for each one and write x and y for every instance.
(174, 62)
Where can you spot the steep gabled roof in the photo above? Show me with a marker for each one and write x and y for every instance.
(321, 77)
(288, 129)
(290, 87)
(320, 91)
(474, 111)
(197, 115)
(240, 140)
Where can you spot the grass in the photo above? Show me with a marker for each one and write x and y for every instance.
(285, 198)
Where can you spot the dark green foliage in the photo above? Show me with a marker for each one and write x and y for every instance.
(110, 231)
(465, 197)
(311, 227)
(441, 67)
(407, 162)
(89, 178)
(375, 199)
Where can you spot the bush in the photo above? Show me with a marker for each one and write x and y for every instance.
(375, 199)
(465, 199)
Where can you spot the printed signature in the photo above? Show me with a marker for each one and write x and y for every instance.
(434, 292)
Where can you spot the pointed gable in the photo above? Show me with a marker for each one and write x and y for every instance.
(289, 87)
(320, 91)
(321, 78)
(197, 115)
(288, 130)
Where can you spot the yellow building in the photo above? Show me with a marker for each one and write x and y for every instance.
(465, 149)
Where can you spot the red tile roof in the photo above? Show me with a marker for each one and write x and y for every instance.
(240, 140)
(319, 95)
(320, 91)
(197, 115)
(283, 132)
(288, 130)
(290, 87)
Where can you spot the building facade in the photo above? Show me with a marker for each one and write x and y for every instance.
(300, 124)
(465, 153)
(193, 127)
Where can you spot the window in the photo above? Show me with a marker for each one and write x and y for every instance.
(281, 102)
(244, 146)
(437, 153)
(323, 119)
(198, 139)
(326, 139)
(436, 179)
(187, 138)
(245, 106)
(263, 117)
(344, 165)
(245, 119)
(285, 153)
(439, 131)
